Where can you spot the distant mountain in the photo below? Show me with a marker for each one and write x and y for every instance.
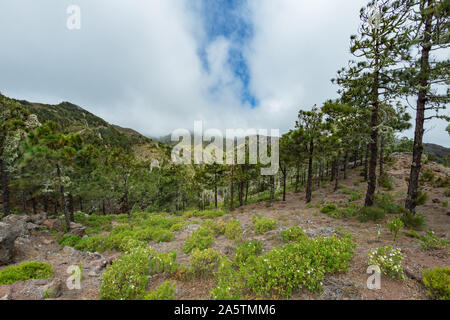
(440, 153)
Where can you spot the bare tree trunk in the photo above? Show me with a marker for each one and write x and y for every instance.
(420, 115)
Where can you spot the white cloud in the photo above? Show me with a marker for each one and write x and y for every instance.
(136, 63)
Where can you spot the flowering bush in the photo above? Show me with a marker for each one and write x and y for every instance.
(126, 278)
(229, 285)
(246, 250)
(204, 262)
(164, 263)
(389, 260)
(297, 265)
(431, 242)
(292, 234)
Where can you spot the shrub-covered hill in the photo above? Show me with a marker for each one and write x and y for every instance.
(73, 118)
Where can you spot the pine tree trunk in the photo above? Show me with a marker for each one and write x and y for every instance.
(63, 199)
(420, 115)
(297, 178)
(246, 192)
(80, 200)
(366, 164)
(381, 154)
(372, 183)
(336, 182)
(24, 201)
(232, 190)
(345, 165)
(272, 185)
(5, 188)
(45, 203)
(33, 204)
(310, 172)
(70, 207)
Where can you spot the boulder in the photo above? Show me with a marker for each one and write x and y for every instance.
(77, 229)
(53, 224)
(8, 235)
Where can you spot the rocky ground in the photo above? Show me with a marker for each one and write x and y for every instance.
(34, 244)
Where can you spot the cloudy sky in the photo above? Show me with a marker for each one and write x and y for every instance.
(158, 65)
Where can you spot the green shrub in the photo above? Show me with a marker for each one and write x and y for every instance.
(445, 204)
(25, 271)
(262, 224)
(200, 239)
(233, 230)
(385, 182)
(126, 278)
(293, 234)
(69, 240)
(389, 261)
(387, 202)
(414, 221)
(162, 235)
(395, 226)
(129, 244)
(246, 250)
(412, 234)
(447, 192)
(431, 242)
(328, 208)
(437, 283)
(204, 262)
(166, 291)
(91, 244)
(421, 199)
(428, 176)
(218, 227)
(177, 227)
(370, 214)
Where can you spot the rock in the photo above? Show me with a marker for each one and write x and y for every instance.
(7, 237)
(38, 218)
(436, 201)
(77, 229)
(53, 224)
(31, 226)
(52, 290)
(18, 223)
(414, 274)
